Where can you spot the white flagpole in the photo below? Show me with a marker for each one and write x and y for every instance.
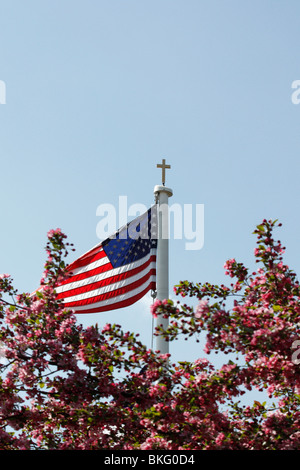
(162, 261)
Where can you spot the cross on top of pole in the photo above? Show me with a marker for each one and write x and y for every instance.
(163, 166)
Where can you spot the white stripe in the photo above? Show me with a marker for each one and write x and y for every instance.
(90, 251)
(105, 275)
(110, 287)
(119, 298)
(93, 265)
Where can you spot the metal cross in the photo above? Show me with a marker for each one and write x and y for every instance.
(163, 166)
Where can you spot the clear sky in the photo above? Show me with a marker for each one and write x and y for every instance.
(98, 92)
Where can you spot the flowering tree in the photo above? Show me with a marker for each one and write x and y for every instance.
(66, 387)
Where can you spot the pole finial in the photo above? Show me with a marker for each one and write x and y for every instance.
(163, 166)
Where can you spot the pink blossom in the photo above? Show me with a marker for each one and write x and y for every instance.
(228, 266)
(4, 276)
(202, 308)
(106, 327)
(52, 232)
(157, 303)
(220, 438)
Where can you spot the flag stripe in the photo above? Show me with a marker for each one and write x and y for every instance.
(108, 292)
(97, 268)
(88, 258)
(101, 261)
(94, 282)
(115, 273)
(118, 302)
(85, 273)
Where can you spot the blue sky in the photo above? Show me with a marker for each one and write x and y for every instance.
(98, 92)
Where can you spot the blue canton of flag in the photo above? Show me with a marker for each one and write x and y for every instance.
(134, 241)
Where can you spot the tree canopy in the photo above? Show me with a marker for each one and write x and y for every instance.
(63, 386)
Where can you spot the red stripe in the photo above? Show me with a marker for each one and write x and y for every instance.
(79, 277)
(88, 258)
(121, 304)
(105, 282)
(114, 293)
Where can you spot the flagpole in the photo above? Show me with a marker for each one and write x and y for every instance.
(162, 195)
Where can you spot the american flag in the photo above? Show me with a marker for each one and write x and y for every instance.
(117, 272)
